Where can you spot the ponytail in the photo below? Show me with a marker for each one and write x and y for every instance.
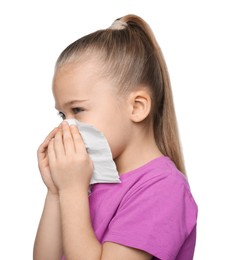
(164, 122)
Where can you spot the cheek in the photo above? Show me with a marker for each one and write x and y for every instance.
(117, 139)
(114, 123)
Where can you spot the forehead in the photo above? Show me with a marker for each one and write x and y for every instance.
(81, 70)
(77, 75)
(79, 81)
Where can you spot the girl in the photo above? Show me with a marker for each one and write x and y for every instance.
(116, 80)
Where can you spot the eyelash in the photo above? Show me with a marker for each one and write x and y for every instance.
(75, 110)
(60, 114)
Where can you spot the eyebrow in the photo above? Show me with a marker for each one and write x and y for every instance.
(73, 102)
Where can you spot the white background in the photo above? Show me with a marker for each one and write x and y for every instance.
(33, 33)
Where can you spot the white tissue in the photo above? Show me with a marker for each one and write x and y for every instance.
(99, 151)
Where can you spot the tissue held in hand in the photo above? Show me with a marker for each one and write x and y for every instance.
(99, 151)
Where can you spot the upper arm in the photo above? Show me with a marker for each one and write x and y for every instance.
(112, 251)
(156, 219)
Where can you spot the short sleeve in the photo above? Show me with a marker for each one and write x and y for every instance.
(155, 216)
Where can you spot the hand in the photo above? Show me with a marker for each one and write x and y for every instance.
(70, 164)
(43, 163)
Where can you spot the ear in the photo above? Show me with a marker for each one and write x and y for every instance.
(140, 105)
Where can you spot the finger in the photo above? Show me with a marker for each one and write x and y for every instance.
(77, 140)
(58, 144)
(51, 151)
(67, 139)
(42, 148)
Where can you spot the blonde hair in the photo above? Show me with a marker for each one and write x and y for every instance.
(132, 57)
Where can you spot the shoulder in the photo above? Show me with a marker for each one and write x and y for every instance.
(160, 194)
(159, 177)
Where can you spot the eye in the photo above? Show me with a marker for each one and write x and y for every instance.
(62, 115)
(77, 110)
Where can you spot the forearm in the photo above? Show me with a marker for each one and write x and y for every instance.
(79, 240)
(48, 242)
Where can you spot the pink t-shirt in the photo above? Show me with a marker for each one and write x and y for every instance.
(152, 209)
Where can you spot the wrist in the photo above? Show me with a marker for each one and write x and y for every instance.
(52, 190)
(74, 193)
(75, 189)
(52, 195)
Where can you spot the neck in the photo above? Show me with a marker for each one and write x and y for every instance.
(140, 151)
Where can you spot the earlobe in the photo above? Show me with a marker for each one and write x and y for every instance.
(140, 104)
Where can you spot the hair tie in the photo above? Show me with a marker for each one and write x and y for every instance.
(118, 25)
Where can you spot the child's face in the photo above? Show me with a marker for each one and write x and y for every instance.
(81, 93)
